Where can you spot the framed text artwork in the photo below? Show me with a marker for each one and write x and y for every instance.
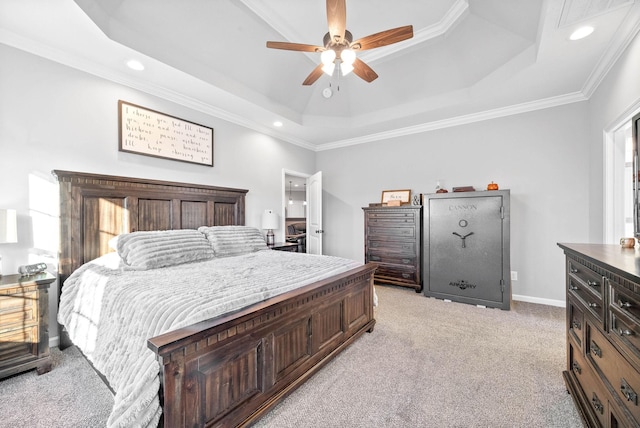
(151, 133)
(401, 196)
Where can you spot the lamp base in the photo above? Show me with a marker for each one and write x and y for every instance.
(270, 238)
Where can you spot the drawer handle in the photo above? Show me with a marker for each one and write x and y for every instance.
(628, 392)
(406, 276)
(574, 270)
(595, 349)
(593, 305)
(406, 261)
(577, 368)
(622, 332)
(593, 283)
(597, 404)
(624, 304)
(577, 325)
(374, 257)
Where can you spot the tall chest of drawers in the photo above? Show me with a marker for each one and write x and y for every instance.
(603, 333)
(393, 240)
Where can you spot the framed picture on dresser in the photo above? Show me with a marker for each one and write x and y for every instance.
(404, 196)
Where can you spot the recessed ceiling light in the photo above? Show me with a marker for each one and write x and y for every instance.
(581, 33)
(277, 123)
(135, 65)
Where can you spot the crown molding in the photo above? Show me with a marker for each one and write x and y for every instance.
(622, 39)
(75, 62)
(460, 120)
(82, 64)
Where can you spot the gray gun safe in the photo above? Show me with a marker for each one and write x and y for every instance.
(467, 259)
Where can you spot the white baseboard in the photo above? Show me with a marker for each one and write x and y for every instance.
(54, 342)
(540, 300)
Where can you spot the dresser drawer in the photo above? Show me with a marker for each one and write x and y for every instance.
(585, 294)
(18, 309)
(621, 376)
(575, 320)
(393, 273)
(392, 216)
(392, 232)
(591, 386)
(586, 276)
(21, 343)
(396, 259)
(624, 321)
(393, 246)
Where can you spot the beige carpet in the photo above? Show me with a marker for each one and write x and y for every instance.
(431, 363)
(428, 363)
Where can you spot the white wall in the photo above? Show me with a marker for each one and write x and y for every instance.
(54, 117)
(542, 157)
(552, 160)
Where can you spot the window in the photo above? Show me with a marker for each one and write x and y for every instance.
(618, 186)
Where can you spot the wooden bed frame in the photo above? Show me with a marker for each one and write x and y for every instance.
(229, 370)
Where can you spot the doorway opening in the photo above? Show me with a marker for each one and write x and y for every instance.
(295, 209)
(307, 202)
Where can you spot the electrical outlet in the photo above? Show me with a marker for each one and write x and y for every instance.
(514, 275)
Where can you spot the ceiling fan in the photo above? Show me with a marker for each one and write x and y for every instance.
(339, 45)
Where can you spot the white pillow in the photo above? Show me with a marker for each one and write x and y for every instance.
(155, 249)
(234, 240)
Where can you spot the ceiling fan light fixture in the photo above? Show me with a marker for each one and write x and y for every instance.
(346, 68)
(328, 68)
(347, 56)
(327, 57)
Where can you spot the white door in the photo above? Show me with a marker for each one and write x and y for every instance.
(314, 214)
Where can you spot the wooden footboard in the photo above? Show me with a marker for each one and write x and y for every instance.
(230, 370)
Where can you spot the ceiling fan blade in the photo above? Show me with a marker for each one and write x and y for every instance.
(294, 47)
(383, 38)
(337, 19)
(315, 75)
(363, 71)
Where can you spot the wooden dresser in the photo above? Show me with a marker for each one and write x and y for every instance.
(393, 240)
(24, 323)
(603, 333)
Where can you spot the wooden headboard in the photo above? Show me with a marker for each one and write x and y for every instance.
(95, 208)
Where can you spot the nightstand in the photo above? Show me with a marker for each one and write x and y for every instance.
(285, 246)
(24, 323)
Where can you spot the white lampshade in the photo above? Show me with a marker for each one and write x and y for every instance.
(8, 226)
(327, 57)
(346, 68)
(269, 220)
(348, 56)
(328, 68)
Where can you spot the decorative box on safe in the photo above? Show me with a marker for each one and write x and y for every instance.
(466, 238)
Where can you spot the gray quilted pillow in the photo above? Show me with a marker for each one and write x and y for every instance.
(234, 240)
(155, 249)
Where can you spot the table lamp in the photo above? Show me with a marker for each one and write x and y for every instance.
(270, 222)
(8, 229)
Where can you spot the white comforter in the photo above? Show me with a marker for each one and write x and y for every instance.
(110, 312)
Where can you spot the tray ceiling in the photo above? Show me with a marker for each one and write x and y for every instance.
(468, 60)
